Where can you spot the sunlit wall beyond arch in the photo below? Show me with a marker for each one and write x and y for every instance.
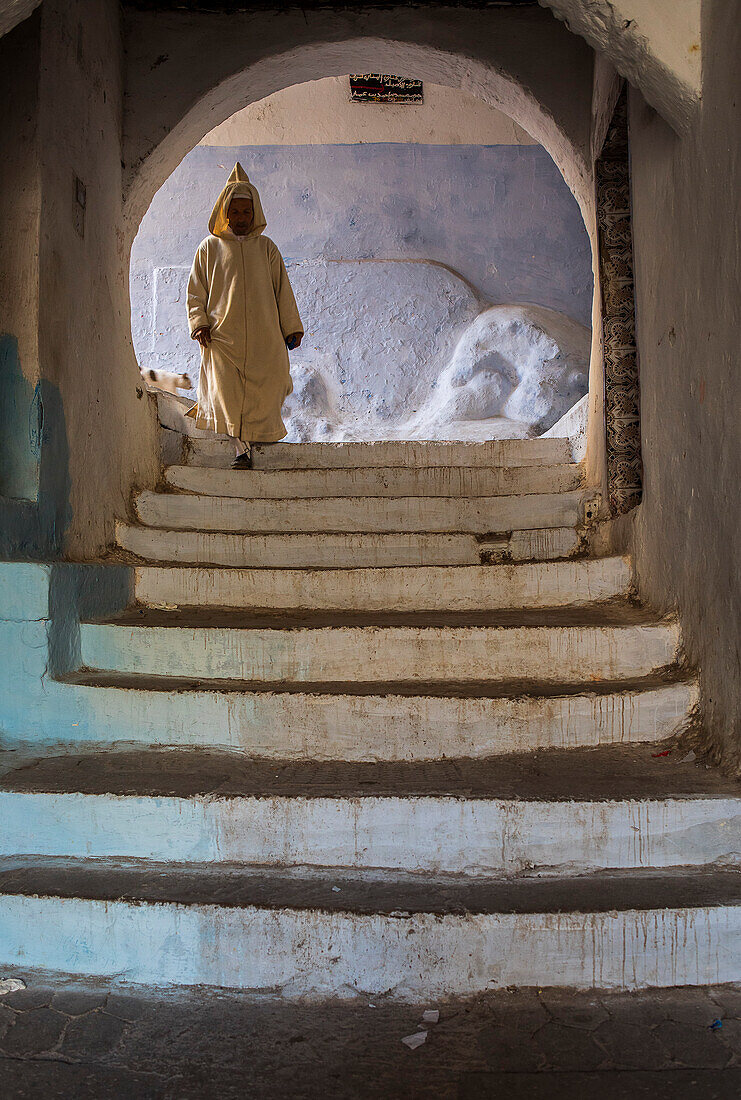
(401, 225)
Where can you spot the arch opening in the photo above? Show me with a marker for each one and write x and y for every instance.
(467, 407)
(440, 263)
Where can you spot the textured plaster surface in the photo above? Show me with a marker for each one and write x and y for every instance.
(459, 588)
(579, 810)
(354, 653)
(687, 227)
(63, 1037)
(378, 725)
(573, 426)
(84, 320)
(378, 335)
(525, 364)
(34, 475)
(399, 350)
(320, 112)
(480, 515)
(338, 456)
(452, 482)
(12, 12)
(316, 953)
(655, 45)
(320, 551)
(21, 416)
(40, 637)
(624, 781)
(203, 449)
(40, 610)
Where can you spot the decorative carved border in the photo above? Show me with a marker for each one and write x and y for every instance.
(622, 393)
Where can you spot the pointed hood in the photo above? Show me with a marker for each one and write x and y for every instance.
(237, 185)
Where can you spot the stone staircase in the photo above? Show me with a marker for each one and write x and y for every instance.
(373, 720)
(364, 504)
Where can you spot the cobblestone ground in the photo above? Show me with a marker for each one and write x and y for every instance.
(67, 1039)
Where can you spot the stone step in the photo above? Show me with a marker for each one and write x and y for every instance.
(313, 550)
(572, 811)
(540, 654)
(302, 551)
(318, 934)
(219, 453)
(424, 588)
(367, 722)
(478, 515)
(455, 481)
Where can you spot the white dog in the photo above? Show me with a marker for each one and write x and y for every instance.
(166, 380)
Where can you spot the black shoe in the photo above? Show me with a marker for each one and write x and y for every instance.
(243, 462)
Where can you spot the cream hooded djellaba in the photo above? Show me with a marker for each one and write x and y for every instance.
(238, 286)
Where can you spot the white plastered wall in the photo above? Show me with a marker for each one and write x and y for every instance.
(321, 112)
(686, 231)
(655, 44)
(85, 345)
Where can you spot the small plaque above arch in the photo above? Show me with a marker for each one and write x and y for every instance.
(379, 88)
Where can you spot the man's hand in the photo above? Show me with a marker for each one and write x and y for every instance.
(203, 336)
(294, 340)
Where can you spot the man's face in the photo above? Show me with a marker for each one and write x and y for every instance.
(240, 215)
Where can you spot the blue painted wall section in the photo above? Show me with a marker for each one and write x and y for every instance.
(500, 215)
(35, 508)
(78, 593)
(41, 606)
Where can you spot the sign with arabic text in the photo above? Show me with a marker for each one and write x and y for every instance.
(379, 88)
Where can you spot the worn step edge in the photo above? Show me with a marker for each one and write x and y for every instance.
(410, 454)
(572, 654)
(377, 482)
(541, 584)
(393, 893)
(308, 550)
(320, 722)
(619, 611)
(509, 452)
(324, 951)
(611, 774)
(373, 515)
(435, 833)
(349, 550)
